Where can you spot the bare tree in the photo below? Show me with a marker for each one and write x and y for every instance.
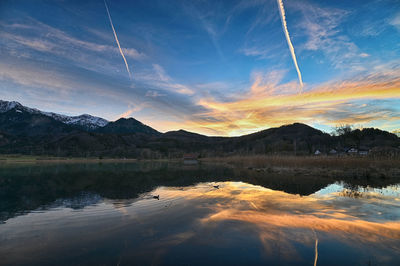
(342, 130)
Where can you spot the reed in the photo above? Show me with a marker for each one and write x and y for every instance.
(263, 161)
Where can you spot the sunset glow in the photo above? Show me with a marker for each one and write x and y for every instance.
(217, 67)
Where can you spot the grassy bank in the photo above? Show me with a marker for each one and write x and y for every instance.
(320, 166)
(17, 158)
(29, 159)
(346, 162)
(324, 166)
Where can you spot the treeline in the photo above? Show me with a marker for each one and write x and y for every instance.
(295, 139)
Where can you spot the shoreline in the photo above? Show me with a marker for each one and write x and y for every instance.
(322, 166)
(325, 167)
(27, 159)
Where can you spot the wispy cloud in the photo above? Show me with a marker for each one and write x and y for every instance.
(263, 15)
(206, 21)
(52, 37)
(258, 52)
(176, 78)
(54, 44)
(158, 78)
(395, 21)
(152, 93)
(132, 108)
(264, 105)
(323, 29)
(291, 48)
(117, 41)
(61, 84)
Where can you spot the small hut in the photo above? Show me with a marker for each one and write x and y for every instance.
(352, 151)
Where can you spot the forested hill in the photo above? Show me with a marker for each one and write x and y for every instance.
(30, 131)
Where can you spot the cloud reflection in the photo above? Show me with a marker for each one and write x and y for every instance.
(288, 219)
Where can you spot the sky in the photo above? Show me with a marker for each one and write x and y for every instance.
(223, 68)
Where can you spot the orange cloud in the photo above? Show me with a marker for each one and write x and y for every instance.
(285, 219)
(268, 104)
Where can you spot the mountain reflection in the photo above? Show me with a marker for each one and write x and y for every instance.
(205, 215)
(31, 187)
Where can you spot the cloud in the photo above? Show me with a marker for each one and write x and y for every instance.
(154, 94)
(132, 53)
(271, 104)
(160, 79)
(263, 15)
(266, 102)
(56, 87)
(288, 221)
(259, 53)
(132, 109)
(33, 80)
(161, 73)
(322, 26)
(205, 21)
(36, 44)
(54, 44)
(395, 21)
(34, 30)
(289, 42)
(117, 41)
(217, 107)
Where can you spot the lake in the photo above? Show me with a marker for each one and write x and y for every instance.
(157, 213)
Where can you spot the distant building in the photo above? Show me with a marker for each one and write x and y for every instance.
(332, 152)
(352, 151)
(190, 158)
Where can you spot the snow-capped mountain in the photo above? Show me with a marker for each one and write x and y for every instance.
(87, 121)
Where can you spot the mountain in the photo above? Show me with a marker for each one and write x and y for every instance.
(291, 131)
(303, 138)
(20, 122)
(367, 138)
(184, 135)
(85, 121)
(128, 126)
(30, 131)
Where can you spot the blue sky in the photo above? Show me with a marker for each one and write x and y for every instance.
(213, 67)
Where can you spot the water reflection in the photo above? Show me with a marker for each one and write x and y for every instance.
(29, 187)
(346, 189)
(207, 215)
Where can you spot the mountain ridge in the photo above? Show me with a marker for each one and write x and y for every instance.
(85, 121)
(127, 126)
(30, 131)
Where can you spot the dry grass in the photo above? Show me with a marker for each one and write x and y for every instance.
(16, 158)
(344, 163)
(339, 168)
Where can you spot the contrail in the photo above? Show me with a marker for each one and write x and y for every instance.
(316, 252)
(116, 39)
(315, 248)
(291, 48)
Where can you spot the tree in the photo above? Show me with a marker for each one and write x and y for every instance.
(342, 130)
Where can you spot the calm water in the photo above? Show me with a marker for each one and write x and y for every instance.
(106, 214)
